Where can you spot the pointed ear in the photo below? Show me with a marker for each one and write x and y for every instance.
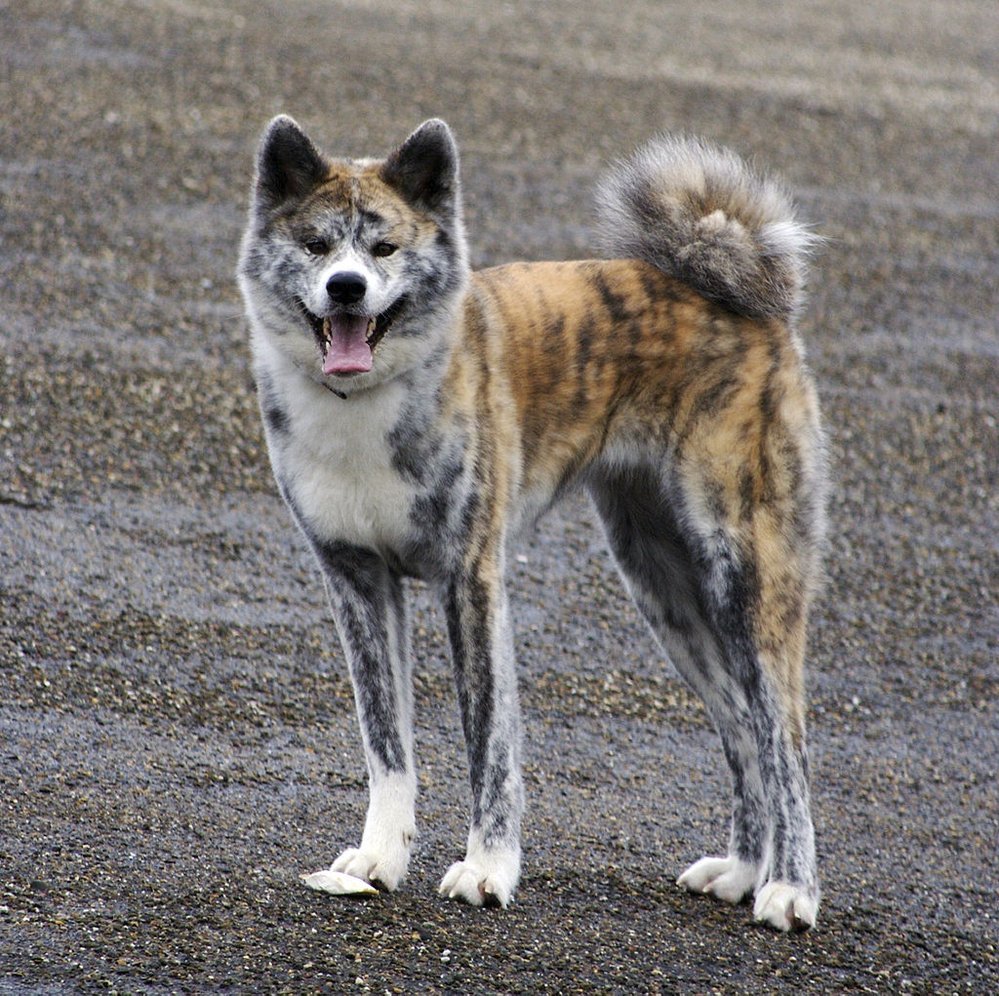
(424, 169)
(288, 164)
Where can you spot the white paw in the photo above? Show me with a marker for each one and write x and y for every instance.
(389, 828)
(386, 870)
(729, 879)
(786, 907)
(486, 879)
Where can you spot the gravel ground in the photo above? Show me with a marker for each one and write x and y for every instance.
(177, 740)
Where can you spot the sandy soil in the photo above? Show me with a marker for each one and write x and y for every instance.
(177, 739)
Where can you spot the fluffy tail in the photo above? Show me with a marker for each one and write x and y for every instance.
(700, 214)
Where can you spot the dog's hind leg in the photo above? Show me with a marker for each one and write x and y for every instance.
(369, 609)
(482, 653)
(701, 618)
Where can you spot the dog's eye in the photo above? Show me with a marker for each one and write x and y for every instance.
(382, 249)
(316, 247)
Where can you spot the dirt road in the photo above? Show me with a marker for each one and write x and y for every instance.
(177, 740)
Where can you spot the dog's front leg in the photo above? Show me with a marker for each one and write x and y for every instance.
(369, 609)
(482, 652)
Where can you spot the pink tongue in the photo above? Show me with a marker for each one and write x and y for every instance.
(349, 351)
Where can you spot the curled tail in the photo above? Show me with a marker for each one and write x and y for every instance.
(700, 214)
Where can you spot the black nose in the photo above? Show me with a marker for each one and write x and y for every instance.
(346, 288)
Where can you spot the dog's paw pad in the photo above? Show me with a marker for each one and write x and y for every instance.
(469, 883)
(338, 883)
(785, 906)
(729, 879)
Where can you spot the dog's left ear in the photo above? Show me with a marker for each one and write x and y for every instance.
(424, 169)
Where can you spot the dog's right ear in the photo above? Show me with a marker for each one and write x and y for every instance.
(288, 164)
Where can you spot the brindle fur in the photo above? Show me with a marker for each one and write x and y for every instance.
(669, 384)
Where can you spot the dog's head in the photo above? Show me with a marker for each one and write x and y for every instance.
(353, 266)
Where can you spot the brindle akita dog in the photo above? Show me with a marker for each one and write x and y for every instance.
(417, 414)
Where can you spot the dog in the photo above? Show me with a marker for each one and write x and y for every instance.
(418, 415)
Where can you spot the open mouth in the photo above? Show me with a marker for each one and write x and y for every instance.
(346, 341)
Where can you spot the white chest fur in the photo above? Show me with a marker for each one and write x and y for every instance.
(336, 463)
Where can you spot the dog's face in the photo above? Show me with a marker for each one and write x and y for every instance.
(346, 264)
